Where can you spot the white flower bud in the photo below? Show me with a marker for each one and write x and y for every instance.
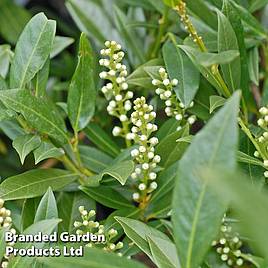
(153, 185)
(239, 262)
(157, 159)
(116, 131)
(118, 97)
(155, 82)
(123, 118)
(124, 86)
(150, 155)
(162, 70)
(145, 166)
(260, 122)
(136, 196)
(134, 175)
(224, 257)
(191, 120)
(263, 110)
(134, 129)
(142, 187)
(158, 91)
(256, 154)
(168, 103)
(138, 170)
(139, 123)
(182, 105)
(107, 43)
(175, 82)
(152, 176)
(103, 75)
(178, 117)
(167, 94)
(153, 114)
(134, 153)
(265, 163)
(166, 82)
(265, 174)
(129, 95)
(153, 141)
(142, 149)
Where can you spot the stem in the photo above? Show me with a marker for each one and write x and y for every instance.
(161, 31)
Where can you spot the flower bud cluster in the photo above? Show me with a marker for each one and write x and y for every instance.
(189, 27)
(87, 224)
(228, 246)
(6, 222)
(116, 90)
(263, 138)
(165, 90)
(144, 156)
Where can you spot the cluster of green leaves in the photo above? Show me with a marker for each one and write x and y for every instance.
(57, 152)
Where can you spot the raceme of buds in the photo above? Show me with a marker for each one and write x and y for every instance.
(116, 90)
(6, 222)
(87, 224)
(263, 138)
(165, 90)
(228, 246)
(144, 155)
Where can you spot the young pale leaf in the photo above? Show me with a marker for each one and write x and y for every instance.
(32, 50)
(138, 233)
(46, 227)
(26, 144)
(34, 183)
(93, 258)
(47, 150)
(179, 66)
(227, 41)
(94, 159)
(68, 204)
(82, 92)
(197, 213)
(120, 171)
(100, 138)
(107, 196)
(215, 102)
(41, 114)
(47, 208)
(164, 252)
(59, 44)
(171, 3)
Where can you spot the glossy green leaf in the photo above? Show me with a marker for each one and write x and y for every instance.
(47, 150)
(41, 114)
(28, 212)
(101, 139)
(227, 41)
(82, 92)
(107, 196)
(35, 183)
(47, 208)
(93, 258)
(197, 213)
(32, 50)
(164, 252)
(215, 102)
(59, 44)
(68, 206)
(179, 66)
(94, 159)
(46, 227)
(41, 80)
(209, 59)
(171, 3)
(120, 171)
(26, 144)
(138, 232)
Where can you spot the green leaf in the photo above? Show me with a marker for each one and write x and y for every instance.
(47, 150)
(227, 41)
(101, 139)
(253, 65)
(47, 208)
(138, 232)
(28, 212)
(93, 258)
(26, 144)
(257, 4)
(32, 50)
(82, 92)
(39, 113)
(107, 196)
(94, 159)
(3, 83)
(171, 3)
(42, 79)
(164, 252)
(215, 102)
(179, 66)
(5, 58)
(197, 213)
(35, 183)
(59, 44)
(209, 59)
(244, 158)
(12, 20)
(46, 227)
(68, 204)
(120, 171)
